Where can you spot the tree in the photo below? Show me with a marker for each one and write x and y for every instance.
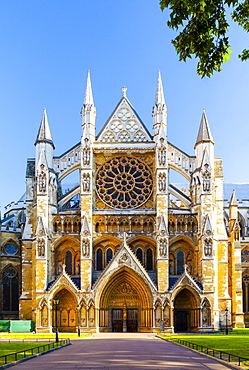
(204, 28)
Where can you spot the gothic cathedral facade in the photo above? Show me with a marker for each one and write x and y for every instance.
(124, 249)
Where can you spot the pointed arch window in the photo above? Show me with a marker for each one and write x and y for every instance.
(69, 269)
(10, 290)
(108, 255)
(99, 260)
(179, 262)
(139, 254)
(149, 259)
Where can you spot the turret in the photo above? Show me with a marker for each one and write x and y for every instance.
(204, 141)
(88, 111)
(159, 111)
(44, 141)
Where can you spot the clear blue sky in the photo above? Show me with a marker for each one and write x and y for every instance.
(48, 46)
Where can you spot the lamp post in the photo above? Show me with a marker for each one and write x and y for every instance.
(56, 302)
(226, 311)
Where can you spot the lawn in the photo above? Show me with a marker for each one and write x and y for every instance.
(233, 344)
(10, 348)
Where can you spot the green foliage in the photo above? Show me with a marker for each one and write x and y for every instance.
(203, 29)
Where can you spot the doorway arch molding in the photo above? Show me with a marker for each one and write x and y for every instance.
(130, 276)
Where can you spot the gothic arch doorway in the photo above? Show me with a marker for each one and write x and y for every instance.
(67, 312)
(125, 304)
(186, 311)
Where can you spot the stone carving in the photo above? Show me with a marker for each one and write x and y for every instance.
(208, 243)
(85, 247)
(124, 259)
(41, 247)
(162, 153)
(86, 156)
(162, 182)
(206, 175)
(42, 182)
(163, 246)
(86, 182)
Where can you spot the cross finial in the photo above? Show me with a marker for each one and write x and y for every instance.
(124, 89)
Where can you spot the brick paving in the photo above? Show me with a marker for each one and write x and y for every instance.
(122, 351)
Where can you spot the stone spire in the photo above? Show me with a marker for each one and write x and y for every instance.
(159, 91)
(204, 133)
(159, 111)
(88, 98)
(44, 133)
(88, 111)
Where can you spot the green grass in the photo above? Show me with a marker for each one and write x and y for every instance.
(233, 344)
(10, 348)
(42, 336)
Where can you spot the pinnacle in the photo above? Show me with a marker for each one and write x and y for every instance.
(88, 98)
(159, 91)
(204, 133)
(44, 133)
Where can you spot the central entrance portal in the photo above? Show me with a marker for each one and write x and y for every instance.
(125, 303)
(125, 320)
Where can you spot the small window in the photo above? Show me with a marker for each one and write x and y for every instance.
(99, 259)
(139, 254)
(69, 262)
(180, 263)
(108, 255)
(149, 261)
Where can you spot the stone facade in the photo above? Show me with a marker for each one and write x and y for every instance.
(124, 249)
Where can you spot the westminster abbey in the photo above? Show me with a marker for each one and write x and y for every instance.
(123, 248)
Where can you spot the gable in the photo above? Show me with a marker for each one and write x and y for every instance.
(124, 125)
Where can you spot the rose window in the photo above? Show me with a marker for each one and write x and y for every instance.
(124, 182)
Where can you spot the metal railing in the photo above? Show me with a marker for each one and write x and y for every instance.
(215, 352)
(16, 356)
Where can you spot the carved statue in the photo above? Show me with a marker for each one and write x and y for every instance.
(206, 178)
(162, 155)
(86, 156)
(85, 247)
(162, 182)
(163, 246)
(208, 246)
(86, 182)
(41, 247)
(42, 182)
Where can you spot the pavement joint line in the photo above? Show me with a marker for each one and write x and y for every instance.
(2, 367)
(229, 364)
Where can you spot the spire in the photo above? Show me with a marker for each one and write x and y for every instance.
(233, 200)
(204, 133)
(159, 91)
(159, 111)
(44, 133)
(88, 98)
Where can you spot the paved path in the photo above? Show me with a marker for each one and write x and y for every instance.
(122, 351)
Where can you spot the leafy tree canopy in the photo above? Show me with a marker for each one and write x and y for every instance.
(203, 30)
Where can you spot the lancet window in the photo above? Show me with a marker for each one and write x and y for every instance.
(10, 289)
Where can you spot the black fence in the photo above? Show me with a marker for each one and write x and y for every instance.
(238, 360)
(16, 356)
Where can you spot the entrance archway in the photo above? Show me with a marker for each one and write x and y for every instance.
(125, 304)
(67, 313)
(186, 311)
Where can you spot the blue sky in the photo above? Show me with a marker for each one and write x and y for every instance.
(48, 46)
